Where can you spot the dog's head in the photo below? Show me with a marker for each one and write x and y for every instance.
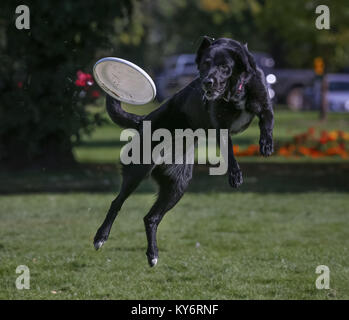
(224, 66)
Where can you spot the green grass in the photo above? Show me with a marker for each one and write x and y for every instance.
(262, 241)
(213, 245)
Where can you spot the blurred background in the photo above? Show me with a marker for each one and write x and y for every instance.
(46, 69)
(59, 152)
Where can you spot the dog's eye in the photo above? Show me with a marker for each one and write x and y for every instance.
(224, 68)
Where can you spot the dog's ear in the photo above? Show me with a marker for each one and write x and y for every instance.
(244, 59)
(205, 43)
(250, 58)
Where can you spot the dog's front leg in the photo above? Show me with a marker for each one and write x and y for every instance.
(234, 172)
(265, 113)
(266, 125)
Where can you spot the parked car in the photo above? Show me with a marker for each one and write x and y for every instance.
(291, 85)
(179, 70)
(267, 63)
(337, 95)
(337, 92)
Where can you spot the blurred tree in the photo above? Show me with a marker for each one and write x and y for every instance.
(41, 108)
(285, 29)
(161, 28)
(288, 27)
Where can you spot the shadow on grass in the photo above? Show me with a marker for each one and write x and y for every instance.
(281, 178)
(258, 177)
(127, 249)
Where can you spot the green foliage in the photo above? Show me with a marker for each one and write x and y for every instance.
(289, 29)
(285, 29)
(41, 108)
(177, 26)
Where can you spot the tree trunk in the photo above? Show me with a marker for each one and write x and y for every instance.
(324, 102)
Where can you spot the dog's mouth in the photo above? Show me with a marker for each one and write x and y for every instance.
(213, 94)
(224, 93)
(210, 95)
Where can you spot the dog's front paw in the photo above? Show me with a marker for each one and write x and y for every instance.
(235, 178)
(266, 146)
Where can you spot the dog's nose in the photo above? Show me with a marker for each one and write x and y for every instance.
(208, 83)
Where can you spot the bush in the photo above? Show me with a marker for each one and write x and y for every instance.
(42, 107)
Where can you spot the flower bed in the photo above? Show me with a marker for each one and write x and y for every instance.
(308, 144)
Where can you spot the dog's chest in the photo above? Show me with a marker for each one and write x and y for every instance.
(241, 122)
(233, 117)
(241, 118)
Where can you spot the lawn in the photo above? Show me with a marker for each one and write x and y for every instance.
(262, 241)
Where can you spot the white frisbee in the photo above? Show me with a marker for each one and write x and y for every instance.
(124, 80)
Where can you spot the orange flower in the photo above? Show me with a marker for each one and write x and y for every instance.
(333, 136)
(324, 137)
(334, 151)
(344, 155)
(315, 153)
(251, 150)
(305, 151)
(291, 148)
(284, 151)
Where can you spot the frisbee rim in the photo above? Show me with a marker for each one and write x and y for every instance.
(132, 65)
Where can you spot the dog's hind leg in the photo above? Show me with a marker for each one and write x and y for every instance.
(132, 176)
(173, 181)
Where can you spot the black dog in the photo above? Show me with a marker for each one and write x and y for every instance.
(230, 91)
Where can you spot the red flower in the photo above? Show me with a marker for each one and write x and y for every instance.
(83, 79)
(95, 94)
(324, 137)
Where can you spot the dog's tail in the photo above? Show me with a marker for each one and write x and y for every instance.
(120, 116)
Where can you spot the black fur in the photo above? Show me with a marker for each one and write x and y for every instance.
(230, 87)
